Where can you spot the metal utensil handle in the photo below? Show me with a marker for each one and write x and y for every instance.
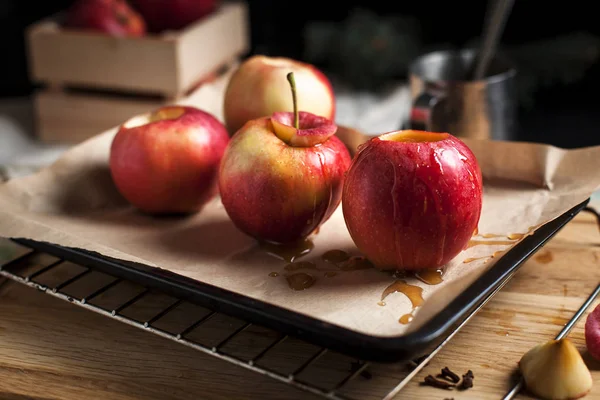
(494, 27)
(422, 109)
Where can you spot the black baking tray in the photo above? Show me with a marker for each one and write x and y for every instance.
(334, 337)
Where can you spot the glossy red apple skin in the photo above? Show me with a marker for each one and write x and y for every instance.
(413, 205)
(163, 15)
(592, 333)
(113, 17)
(169, 166)
(276, 192)
(259, 88)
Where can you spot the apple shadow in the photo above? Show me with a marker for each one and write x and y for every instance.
(215, 239)
(89, 190)
(128, 215)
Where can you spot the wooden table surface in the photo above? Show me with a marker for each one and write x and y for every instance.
(50, 349)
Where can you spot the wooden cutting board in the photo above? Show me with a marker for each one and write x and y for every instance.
(51, 349)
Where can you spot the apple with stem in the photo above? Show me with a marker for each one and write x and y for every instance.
(412, 199)
(167, 161)
(258, 88)
(282, 175)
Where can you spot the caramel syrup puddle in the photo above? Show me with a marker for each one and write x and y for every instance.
(288, 252)
(295, 266)
(430, 276)
(300, 280)
(544, 258)
(355, 263)
(473, 243)
(344, 262)
(510, 236)
(487, 258)
(335, 256)
(406, 318)
(414, 294)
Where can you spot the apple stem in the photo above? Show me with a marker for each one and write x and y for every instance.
(292, 81)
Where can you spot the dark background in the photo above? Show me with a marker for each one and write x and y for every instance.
(562, 106)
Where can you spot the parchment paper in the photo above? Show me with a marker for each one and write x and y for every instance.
(74, 203)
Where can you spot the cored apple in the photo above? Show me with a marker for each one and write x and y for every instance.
(167, 161)
(592, 333)
(258, 88)
(412, 199)
(282, 175)
(162, 15)
(113, 17)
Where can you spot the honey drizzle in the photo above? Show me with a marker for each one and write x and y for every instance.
(494, 255)
(288, 252)
(430, 276)
(295, 266)
(406, 318)
(300, 280)
(544, 258)
(414, 294)
(335, 256)
(355, 263)
(473, 243)
(471, 259)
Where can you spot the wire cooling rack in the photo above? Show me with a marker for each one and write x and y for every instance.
(340, 377)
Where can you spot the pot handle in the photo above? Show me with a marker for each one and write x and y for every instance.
(422, 109)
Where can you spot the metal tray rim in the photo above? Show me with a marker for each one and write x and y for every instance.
(332, 336)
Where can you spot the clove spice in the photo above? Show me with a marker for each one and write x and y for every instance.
(449, 375)
(467, 380)
(431, 381)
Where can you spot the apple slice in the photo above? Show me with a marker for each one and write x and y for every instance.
(312, 129)
(555, 370)
(301, 128)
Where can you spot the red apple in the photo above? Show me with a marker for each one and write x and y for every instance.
(280, 181)
(258, 88)
(162, 15)
(114, 17)
(592, 333)
(167, 161)
(412, 199)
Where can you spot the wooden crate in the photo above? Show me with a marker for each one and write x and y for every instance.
(72, 116)
(91, 82)
(168, 64)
